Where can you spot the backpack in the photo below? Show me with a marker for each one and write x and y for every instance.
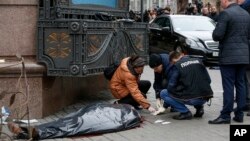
(110, 70)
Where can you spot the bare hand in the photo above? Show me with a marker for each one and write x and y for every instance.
(151, 109)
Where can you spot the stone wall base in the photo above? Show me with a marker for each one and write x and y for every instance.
(47, 95)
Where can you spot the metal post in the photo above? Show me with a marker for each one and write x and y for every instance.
(142, 10)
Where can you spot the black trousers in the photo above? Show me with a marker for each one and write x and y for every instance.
(144, 86)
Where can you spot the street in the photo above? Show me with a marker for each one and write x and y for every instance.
(161, 127)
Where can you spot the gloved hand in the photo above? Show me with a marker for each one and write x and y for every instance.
(151, 109)
(158, 103)
(160, 108)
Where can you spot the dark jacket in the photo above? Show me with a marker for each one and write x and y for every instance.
(160, 81)
(233, 32)
(189, 79)
(246, 5)
(214, 16)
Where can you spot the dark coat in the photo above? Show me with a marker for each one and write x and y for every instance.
(233, 33)
(160, 78)
(189, 79)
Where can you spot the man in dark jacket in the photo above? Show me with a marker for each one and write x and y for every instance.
(233, 33)
(245, 4)
(189, 83)
(160, 64)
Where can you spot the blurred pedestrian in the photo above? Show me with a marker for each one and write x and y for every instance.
(126, 85)
(205, 11)
(213, 15)
(232, 32)
(189, 84)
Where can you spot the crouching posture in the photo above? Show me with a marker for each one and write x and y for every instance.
(161, 65)
(189, 83)
(126, 85)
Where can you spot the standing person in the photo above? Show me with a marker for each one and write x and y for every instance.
(213, 15)
(126, 85)
(189, 84)
(232, 32)
(205, 11)
(160, 64)
(245, 4)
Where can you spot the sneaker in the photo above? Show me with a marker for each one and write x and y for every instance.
(199, 111)
(183, 116)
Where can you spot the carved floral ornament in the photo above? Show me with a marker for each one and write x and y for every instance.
(58, 45)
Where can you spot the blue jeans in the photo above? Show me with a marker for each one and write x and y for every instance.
(179, 105)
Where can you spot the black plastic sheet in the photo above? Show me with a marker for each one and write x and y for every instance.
(93, 119)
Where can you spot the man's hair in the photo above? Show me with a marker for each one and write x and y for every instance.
(174, 55)
(155, 60)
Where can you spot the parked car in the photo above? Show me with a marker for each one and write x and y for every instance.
(191, 35)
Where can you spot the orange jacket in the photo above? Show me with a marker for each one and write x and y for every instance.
(124, 83)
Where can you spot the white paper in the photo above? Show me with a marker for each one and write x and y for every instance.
(166, 122)
(159, 121)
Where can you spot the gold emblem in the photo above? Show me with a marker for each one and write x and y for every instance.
(58, 45)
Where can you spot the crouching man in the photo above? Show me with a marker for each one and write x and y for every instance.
(189, 83)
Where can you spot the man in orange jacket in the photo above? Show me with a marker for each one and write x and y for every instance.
(126, 85)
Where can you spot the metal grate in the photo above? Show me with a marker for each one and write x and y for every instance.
(80, 40)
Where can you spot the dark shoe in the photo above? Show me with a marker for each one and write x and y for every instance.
(183, 116)
(237, 119)
(248, 114)
(219, 120)
(199, 111)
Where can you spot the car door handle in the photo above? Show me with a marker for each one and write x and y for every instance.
(158, 34)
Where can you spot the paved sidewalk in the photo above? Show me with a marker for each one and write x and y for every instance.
(196, 129)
